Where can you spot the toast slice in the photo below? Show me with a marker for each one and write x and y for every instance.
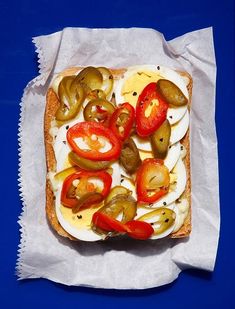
(52, 104)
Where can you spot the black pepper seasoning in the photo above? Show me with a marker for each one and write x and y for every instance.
(167, 220)
(158, 67)
(134, 93)
(64, 142)
(164, 203)
(67, 127)
(170, 117)
(79, 217)
(161, 139)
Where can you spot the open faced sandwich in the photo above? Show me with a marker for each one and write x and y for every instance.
(117, 152)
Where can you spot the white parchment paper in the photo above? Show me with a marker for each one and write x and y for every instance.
(116, 264)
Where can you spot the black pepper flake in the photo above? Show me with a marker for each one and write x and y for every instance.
(64, 142)
(150, 204)
(152, 223)
(134, 93)
(79, 217)
(167, 220)
(161, 139)
(122, 180)
(169, 147)
(164, 203)
(163, 213)
(158, 67)
(53, 197)
(181, 147)
(67, 127)
(170, 117)
(110, 76)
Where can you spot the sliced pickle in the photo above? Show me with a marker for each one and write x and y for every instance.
(99, 110)
(90, 78)
(171, 93)
(115, 191)
(107, 85)
(87, 164)
(96, 94)
(88, 200)
(60, 176)
(160, 140)
(130, 158)
(71, 96)
(122, 203)
(161, 219)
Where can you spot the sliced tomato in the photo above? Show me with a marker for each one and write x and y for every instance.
(122, 121)
(152, 180)
(139, 229)
(90, 132)
(135, 229)
(68, 196)
(151, 110)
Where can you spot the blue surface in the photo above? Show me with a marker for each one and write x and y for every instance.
(19, 21)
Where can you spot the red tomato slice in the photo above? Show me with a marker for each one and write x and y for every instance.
(139, 229)
(151, 110)
(122, 121)
(73, 201)
(88, 129)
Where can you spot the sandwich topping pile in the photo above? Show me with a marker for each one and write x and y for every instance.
(117, 147)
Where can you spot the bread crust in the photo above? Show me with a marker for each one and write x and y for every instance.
(52, 104)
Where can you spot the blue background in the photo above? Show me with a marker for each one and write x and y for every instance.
(19, 21)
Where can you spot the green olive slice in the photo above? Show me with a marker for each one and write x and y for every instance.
(130, 158)
(87, 164)
(107, 85)
(87, 200)
(98, 110)
(71, 96)
(160, 140)
(115, 191)
(171, 93)
(161, 219)
(90, 78)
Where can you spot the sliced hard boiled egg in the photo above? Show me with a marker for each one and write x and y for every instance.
(142, 143)
(74, 224)
(128, 183)
(179, 130)
(172, 156)
(174, 114)
(136, 78)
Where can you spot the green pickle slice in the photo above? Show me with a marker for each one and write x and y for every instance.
(161, 219)
(171, 93)
(160, 140)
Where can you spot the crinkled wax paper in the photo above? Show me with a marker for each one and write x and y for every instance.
(122, 264)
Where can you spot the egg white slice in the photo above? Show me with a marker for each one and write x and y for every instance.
(142, 143)
(176, 114)
(128, 184)
(85, 234)
(179, 130)
(172, 156)
(179, 188)
(144, 210)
